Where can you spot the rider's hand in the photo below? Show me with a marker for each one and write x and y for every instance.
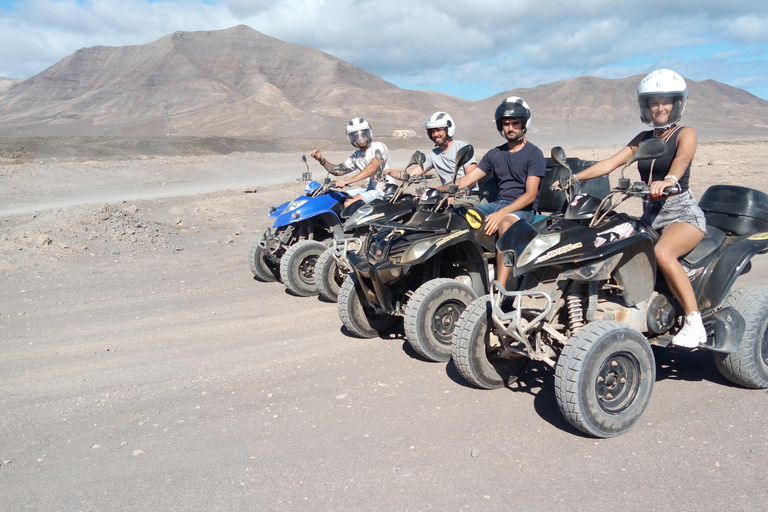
(493, 221)
(316, 155)
(341, 184)
(657, 187)
(565, 183)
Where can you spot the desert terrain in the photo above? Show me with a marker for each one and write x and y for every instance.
(143, 368)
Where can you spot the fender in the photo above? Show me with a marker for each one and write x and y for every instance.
(312, 208)
(713, 286)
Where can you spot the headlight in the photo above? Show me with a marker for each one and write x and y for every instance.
(537, 246)
(296, 203)
(360, 213)
(416, 251)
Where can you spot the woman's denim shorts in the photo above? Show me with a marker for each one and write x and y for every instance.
(680, 208)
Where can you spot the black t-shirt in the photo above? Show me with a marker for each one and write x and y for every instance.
(660, 166)
(511, 170)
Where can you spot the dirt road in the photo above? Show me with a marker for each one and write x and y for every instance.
(144, 369)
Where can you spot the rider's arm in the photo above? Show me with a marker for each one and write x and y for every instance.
(414, 170)
(608, 165)
(686, 149)
(527, 198)
(336, 170)
(366, 173)
(472, 175)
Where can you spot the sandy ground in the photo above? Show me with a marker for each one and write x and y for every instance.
(143, 368)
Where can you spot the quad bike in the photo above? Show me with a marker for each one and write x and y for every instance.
(301, 232)
(332, 266)
(425, 270)
(590, 303)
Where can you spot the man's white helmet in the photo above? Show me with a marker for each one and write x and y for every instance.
(662, 83)
(359, 133)
(440, 120)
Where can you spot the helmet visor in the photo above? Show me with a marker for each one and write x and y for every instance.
(360, 138)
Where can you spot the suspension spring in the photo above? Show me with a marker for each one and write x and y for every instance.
(575, 313)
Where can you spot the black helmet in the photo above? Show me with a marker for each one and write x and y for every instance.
(516, 108)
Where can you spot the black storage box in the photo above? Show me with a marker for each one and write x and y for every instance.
(736, 210)
(554, 200)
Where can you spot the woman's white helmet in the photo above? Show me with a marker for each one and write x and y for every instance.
(440, 120)
(359, 133)
(665, 84)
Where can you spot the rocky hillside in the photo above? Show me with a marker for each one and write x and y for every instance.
(240, 83)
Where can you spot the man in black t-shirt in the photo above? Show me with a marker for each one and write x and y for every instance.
(517, 166)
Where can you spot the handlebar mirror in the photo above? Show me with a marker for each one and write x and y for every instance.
(417, 158)
(558, 155)
(378, 156)
(649, 149)
(463, 156)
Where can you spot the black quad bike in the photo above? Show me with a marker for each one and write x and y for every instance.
(425, 270)
(590, 303)
(332, 265)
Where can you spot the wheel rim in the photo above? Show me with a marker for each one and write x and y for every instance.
(444, 321)
(617, 382)
(307, 270)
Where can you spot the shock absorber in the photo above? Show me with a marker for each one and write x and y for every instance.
(575, 313)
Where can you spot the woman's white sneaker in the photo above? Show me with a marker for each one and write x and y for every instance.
(692, 334)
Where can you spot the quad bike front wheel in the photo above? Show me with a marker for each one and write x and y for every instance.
(475, 356)
(328, 275)
(297, 267)
(260, 265)
(357, 315)
(748, 366)
(431, 315)
(604, 378)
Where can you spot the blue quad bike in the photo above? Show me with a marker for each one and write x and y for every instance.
(302, 230)
(590, 303)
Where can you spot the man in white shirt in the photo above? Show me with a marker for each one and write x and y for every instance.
(364, 160)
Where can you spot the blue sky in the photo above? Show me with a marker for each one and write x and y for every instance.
(472, 49)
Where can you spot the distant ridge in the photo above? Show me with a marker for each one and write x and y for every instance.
(241, 83)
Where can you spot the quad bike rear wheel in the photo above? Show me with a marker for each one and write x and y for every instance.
(297, 267)
(431, 315)
(748, 366)
(328, 275)
(357, 315)
(260, 265)
(475, 357)
(604, 378)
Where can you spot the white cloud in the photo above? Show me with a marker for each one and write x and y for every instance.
(493, 41)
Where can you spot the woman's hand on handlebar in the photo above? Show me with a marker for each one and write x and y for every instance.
(663, 188)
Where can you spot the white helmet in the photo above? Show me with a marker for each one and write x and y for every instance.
(665, 84)
(359, 133)
(440, 120)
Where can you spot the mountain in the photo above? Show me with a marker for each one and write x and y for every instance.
(243, 84)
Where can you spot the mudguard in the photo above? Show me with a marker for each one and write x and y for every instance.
(314, 206)
(712, 287)
(725, 329)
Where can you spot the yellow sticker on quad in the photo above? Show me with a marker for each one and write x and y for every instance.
(474, 218)
(759, 236)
